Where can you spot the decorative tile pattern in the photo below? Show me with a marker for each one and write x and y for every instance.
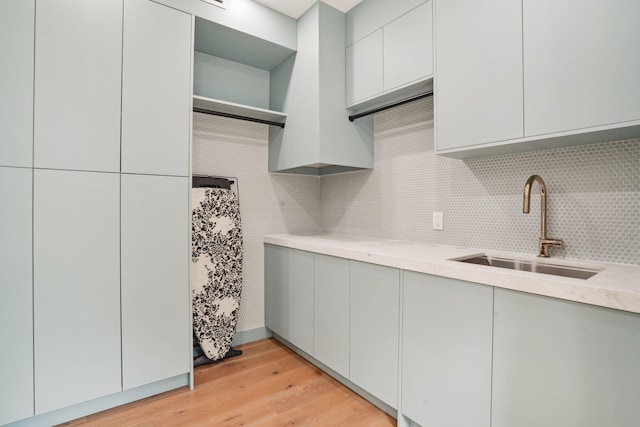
(269, 203)
(593, 194)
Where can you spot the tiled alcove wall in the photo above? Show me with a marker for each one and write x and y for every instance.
(593, 194)
(269, 203)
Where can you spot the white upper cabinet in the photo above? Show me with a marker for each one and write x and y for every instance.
(365, 68)
(396, 55)
(156, 89)
(522, 76)
(581, 64)
(16, 84)
(408, 47)
(78, 53)
(478, 75)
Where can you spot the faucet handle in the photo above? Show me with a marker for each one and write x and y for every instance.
(544, 244)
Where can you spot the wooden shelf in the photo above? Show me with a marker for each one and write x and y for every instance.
(216, 105)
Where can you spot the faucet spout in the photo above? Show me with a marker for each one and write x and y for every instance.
(526, 202)
(543, 242)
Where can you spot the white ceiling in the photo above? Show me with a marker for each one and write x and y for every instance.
(295, 8)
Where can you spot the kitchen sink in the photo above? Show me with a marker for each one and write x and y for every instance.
(533, 266)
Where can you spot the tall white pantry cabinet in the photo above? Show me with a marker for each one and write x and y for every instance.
(16, 153)
(94, 230)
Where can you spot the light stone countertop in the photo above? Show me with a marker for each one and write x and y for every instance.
(616, 286)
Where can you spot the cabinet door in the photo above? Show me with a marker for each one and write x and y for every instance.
(563, 364)
(16, 302)
(78, 84)
(408, 47)
(446, 351)
(374, 321)
(156, 89)
(16, 84)
(331, 312)
(289, 295)
(478, 76)
(155, 279)
(364, 68)
(76, 228)
(581, 64)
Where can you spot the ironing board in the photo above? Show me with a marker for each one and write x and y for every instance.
(216, 269)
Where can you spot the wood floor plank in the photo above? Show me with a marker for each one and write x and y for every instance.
(269, 385)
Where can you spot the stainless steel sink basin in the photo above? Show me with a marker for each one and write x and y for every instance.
(533, 266)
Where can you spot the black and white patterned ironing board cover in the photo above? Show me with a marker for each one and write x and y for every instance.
(216, 268)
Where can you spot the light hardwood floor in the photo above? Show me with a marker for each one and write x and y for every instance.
(269, 385)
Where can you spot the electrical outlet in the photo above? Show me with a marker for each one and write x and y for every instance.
(438, 221)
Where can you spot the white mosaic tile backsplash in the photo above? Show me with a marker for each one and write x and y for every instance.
(593, 194)
(269, 203)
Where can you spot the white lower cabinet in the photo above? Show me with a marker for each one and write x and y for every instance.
(446, 351)
(471, 355)
(343, 313)
(563, 364)
(374, 326)
(331, 312)
(289, 295)
(76, 301)
(155, 279)
(16, 316)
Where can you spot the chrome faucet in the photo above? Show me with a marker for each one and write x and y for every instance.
(543, 241)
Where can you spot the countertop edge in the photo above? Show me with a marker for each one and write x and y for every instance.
(614, 287)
